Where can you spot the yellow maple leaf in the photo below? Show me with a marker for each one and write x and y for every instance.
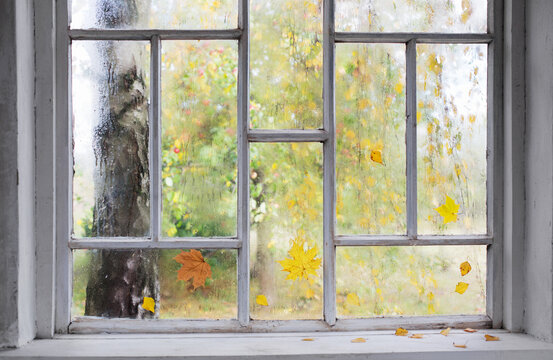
(445, 332)
(465, 268)
(416, 336)
(449, 210)
(193, 266)
(302, 261)
(401, 332)
(358, 340)
(149, 304)
(261, 300)
(491, 338)
(352, 299)
(461, 287)
(376, 156)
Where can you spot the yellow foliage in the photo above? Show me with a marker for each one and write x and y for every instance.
(353, 299)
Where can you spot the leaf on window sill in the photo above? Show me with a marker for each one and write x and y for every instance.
(401, 332)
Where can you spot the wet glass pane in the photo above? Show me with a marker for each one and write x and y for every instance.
(286, 64)
(110, 84)
(450, 16)
(387, 281)
(165, 284)
(370, 139)
(286, 208)
(451, 138)
(199, 138)
(149, 14)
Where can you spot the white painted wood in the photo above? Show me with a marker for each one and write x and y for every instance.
(422, 38)
(231, 34)
(243, 122)
(64, 170)
(411, 136)
(45, 162)
(287, 135)
(403, 240)
(329, 165)
(164, 243)
(155, 138)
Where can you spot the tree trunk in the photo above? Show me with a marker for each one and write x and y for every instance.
(119, 280)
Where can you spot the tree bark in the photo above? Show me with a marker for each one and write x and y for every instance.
(119, 280)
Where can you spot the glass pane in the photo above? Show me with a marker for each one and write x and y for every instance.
(452, 138)
(110, 84)
(199, 138)
(286, 64)
(116, 283)
(286, 207)
(412, 16)
(148, 14)
(381, 280)
(370, 139)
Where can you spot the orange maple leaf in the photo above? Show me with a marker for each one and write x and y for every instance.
(193, 266)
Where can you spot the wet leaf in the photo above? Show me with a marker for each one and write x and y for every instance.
(465, 268)
(491, 338)
(193, 266)
(303, 260)
(353, 299)
(376, 156)
(261, 300)
(149, 304)
(445, 332)
(416, 336)
(401, 332)
(461, 287)
(469, 330)
(358, 340)
(449, 210)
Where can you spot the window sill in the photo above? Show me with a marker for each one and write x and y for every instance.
(379, 345)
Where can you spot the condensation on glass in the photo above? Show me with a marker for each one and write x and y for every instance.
(452, 137)
(370, 139)
(446, 16)
(148, 14)
(391, 281)
(216, 298)
(286, 205)
(199, 138)
(286, 64)
(110, 99)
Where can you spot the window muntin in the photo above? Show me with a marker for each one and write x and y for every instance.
(327, 137)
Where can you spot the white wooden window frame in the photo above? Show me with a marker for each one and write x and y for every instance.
(65, 243)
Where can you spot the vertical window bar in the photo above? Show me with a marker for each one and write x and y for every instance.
(155, 137)
(329, 176)
(243, 230)
(411, 137)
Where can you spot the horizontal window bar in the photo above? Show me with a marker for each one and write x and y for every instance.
(231, 34)
(404, 240)
(287, 135)
(423, 38)
(90, 325)
(164, 243)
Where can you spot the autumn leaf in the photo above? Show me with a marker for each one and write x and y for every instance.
(261, 300)
(193, 266)
(469, 330)
(358, 340)
(461, 287)
(416, 336)
(308, 339)
(445, 332)
(353, 299)
(149, 304)
(449, 210)
(465, 268)
(376, 156)
(401, 332)
(464, 346)
(491, 338)
(302, 262)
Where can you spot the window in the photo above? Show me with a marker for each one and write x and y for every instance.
(328, 162)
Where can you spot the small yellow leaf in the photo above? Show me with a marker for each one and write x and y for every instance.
(358, 340)
(352, 299)
(464, 346)
(469, 330)
(398, 88)
(449, 210)
(376, 156)
(445, 332)
(465, 268)
(149, 304)
(491, 338)
(261, 300)
(401, 332)
(416, 336)
(308, 339)
(461, 287)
